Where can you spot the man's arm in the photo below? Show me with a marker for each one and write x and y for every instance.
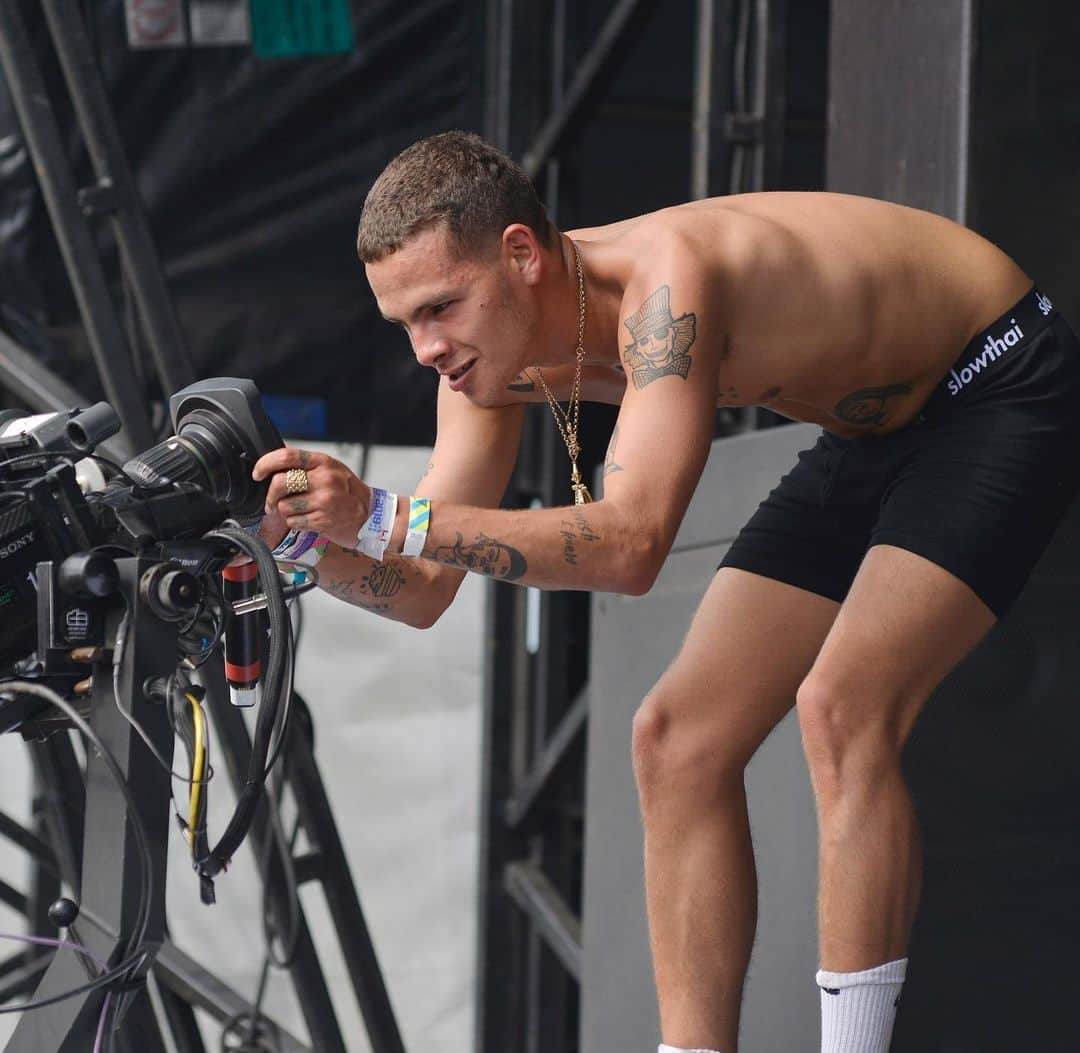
(471, 462)
(617, 544)
(664, 431)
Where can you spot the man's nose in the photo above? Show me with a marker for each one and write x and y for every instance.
(429, 348)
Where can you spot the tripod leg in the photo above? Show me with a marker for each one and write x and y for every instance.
(306, 973)
(341, 896)
(139, 1032)
(60, 800)
(182, 1025)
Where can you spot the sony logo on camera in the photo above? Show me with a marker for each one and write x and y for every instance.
(16, 544)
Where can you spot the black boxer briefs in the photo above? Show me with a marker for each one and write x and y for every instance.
(977, 482)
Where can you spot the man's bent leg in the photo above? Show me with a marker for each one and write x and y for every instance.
(905, 624)
(749, 646)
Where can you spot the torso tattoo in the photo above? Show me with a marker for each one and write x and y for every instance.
(868, 407)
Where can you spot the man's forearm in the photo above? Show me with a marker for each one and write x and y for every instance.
(403, 590)
(415, 592)
(595, 547)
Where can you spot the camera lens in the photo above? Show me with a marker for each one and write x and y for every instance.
(206, 453)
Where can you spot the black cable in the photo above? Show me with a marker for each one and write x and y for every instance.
(116, 973)
(296, 590)
(208, 619)
(136, 956)
(286, 715)
(298, 629)
(130, 718)
(219, 620)
(253, 1041)
(248, 798)
(143, 915)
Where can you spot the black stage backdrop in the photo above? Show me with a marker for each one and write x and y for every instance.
(253, 171)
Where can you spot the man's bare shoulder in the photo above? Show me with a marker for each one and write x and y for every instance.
(699, 241)
(718, 221)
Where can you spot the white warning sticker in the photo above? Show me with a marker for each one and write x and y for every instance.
(220, 23)
(156, 23)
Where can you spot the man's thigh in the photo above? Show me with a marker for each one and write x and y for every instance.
(905, 624)
(749, 645)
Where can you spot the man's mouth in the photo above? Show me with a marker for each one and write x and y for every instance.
(459, 375)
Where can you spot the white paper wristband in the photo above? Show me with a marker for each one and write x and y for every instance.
(374, 535)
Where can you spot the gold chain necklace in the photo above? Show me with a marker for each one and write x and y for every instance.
(567, 420)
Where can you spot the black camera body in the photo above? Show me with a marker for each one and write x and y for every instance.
(159, 504)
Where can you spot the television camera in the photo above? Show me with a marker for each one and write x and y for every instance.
(111, 597)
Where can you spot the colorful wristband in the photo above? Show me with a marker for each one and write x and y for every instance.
(283, 546)
(374, 535)
(295, 544)
(313, 552)
(419, 520)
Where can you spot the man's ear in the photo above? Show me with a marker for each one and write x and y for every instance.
(522, 250)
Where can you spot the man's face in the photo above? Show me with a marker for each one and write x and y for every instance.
(463, 315)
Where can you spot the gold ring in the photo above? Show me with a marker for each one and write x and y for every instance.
(296, 481)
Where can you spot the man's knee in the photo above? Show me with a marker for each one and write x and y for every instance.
(850, 732)
(679, 749)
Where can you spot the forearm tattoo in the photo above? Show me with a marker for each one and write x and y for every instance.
(381, 583)
(868, 407)
(661, 343)
(346, 590)
(486, 555)
(575, 530)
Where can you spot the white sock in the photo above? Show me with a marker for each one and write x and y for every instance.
(858, 1009)
(674, 1049)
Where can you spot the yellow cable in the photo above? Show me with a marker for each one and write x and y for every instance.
(198, 763)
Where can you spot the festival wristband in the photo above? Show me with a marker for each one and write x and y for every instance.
(374, 535)
(419, 520)
(295, 544)
(312, 552)
(283, 546)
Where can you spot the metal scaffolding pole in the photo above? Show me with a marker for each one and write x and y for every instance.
(117, 196)
(84, 267)
(549, 137)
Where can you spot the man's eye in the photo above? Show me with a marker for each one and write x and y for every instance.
(440, 307)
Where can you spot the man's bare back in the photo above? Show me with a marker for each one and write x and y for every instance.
(836, 310)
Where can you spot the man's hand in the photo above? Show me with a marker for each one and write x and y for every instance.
(336, 503)
(272, 530)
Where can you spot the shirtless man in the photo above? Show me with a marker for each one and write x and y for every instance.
(946, 387)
